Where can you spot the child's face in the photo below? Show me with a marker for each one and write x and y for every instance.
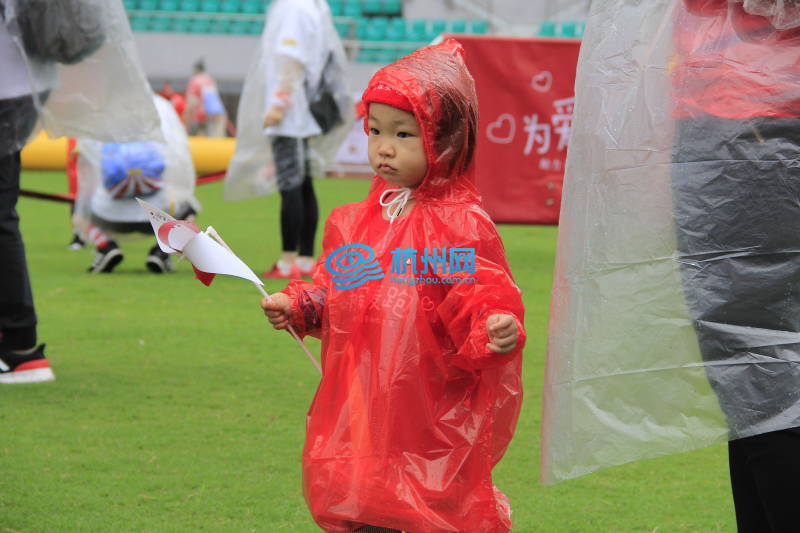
(395, 146)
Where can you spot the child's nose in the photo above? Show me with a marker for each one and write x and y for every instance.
(386, 149)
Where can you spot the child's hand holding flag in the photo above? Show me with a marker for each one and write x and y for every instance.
(208, 254)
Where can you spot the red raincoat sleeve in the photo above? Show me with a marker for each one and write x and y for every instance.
(467, 307)
(308, 298)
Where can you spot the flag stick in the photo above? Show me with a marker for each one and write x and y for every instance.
(213, 233)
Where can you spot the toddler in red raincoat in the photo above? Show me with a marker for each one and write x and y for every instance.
(420, 321)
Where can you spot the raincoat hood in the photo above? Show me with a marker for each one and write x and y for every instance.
(441, 92)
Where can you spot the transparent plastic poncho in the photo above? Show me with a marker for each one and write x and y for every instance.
(675, 319)
(177, 182)
(105, 96)
(252, 170)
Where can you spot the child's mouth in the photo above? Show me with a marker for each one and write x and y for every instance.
(383, 167)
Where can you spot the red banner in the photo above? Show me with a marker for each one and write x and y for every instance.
(526, 98)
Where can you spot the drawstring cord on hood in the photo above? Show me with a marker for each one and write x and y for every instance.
(397, 204)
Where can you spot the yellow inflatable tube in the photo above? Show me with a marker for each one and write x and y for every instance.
(209, 155)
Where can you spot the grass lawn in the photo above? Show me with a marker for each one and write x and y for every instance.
(177, 409)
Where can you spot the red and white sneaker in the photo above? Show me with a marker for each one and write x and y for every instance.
(28, 368)
(279, 271)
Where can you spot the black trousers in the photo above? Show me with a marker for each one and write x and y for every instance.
(765, 477)
(736, 200)
(299, 209)
(17, 315)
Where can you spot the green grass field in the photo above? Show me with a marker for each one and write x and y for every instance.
(177, 409)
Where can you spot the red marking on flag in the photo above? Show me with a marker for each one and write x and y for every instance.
(205, 277)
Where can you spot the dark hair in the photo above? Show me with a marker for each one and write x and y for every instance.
(200, 66)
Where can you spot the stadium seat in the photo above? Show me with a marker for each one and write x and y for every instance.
(352, 8)
(160, 24)
(337, 7)
(256, 27)
(148, 5)
(438, 27)
(182, 25)
(140, 23)
(479, 27)
(251, 6)
(343, 29)
(190, 5)
(200, 26)
(566, 29)
(371, 7)
(130, 5)
(376, 32)
(362, 24)
(231, 6)
(458, 26)
(547, 29)
(396, 31)
(210, 6)
(392, 7)
(168, 5)
(417, 32)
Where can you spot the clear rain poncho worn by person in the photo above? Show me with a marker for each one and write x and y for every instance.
(413, 411)
(315, 64)
(675, 318)
(111, 176)
(101, 93)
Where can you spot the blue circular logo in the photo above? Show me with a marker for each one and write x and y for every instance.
(352, 265)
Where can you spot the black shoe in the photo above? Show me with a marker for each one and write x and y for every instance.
(106, 259)
(29, 368)
(77, 243)
(158, 261)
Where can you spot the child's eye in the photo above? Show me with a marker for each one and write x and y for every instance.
(373, 131)
(403, 134)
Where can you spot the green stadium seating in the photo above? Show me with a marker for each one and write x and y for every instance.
(547, 29)
(140, 23)
(182, 25)
(362, 24)
(458, 26)
(343, 29)
(252, 6)
(352, 8)
(160, 24)
(148, 5)
(231, 6)
(395, 33)
(392, 7)
(372, 7)
(256, 28)
(200, 26)
(438, 27)
(479, 27)
(376, 32)
(337, 8)
(168, 5)
(189, 5)
(210, 6)
(130, 5)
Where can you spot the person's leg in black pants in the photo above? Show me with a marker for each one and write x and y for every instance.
(765, 470)
(17, 316)
(299, 209)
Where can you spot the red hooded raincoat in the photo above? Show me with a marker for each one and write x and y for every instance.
(413, 411)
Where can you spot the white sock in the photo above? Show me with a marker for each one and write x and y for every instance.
(304, 263)
(284, 267)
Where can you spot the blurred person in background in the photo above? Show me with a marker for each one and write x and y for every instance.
(298, 37)
(204, 114)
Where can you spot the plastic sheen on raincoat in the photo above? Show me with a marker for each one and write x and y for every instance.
(674, 320)
(413, 411)
(177, 180)
(252, 172)
(105, 96)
